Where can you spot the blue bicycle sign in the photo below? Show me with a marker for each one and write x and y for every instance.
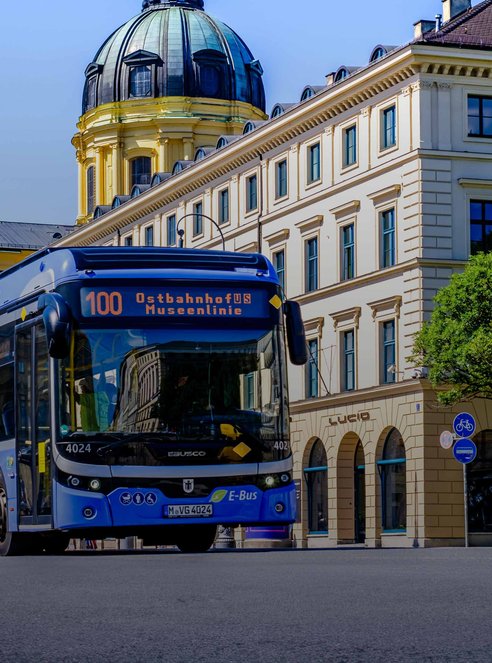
(464, 425)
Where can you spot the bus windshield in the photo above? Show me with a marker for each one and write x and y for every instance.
(173, 397)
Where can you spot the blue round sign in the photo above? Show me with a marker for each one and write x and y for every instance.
(464, 425)
(465, 451)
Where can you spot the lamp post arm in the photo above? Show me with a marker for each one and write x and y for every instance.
(181, 231)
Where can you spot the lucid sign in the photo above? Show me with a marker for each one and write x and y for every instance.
(339, 420)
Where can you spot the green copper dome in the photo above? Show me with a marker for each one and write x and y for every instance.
(173, 49)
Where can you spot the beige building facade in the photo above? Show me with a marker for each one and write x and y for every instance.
(367, 196)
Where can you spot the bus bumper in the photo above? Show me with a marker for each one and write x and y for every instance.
(134, 507)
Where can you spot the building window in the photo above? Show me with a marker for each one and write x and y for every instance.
(480, 116)
(312, 382)
(128, 241)
(141, 171)
(314, 163)
(388, 138)
(252, 193)
(348, 377)
(348, 252)
(224, 206)
(388, 352)
(140, 82)
(316, 475)
(171, 230)
(388, 238)
(197, 219)
(91, 190)
(281, 179)
(480, 226)
(392, 469)
(311, 264)
(249, 391)
(149, 236)
(350, 146)
(279, 264)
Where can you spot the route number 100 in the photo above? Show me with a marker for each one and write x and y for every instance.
(105, 303)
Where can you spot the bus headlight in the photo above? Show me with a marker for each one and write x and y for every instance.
(95, 485)
(270, 482)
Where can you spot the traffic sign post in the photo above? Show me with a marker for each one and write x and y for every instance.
(465, 451)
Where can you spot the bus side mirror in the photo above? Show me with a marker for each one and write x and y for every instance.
(56, 318)
(296, 337)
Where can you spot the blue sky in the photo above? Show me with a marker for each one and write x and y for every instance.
(46, 46)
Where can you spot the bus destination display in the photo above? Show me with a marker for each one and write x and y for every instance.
(173, 302)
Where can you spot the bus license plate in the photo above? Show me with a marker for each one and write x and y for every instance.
(189, 511)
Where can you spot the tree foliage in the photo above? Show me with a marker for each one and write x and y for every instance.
(456, 344)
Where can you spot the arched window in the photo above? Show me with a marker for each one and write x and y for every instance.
(307, 93)
(341, 74)
(392, 469)
(248, 128)
(141, 171)
(140, 82)
(91, 189)
(317, 489)
(378, 53)
(277, 111)
(479, 475)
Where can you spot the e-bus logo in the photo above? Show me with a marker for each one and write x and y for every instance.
(242, 496)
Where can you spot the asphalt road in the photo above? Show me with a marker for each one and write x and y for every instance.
(292, 606)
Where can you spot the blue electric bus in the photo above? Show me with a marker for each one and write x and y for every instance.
(143, 392)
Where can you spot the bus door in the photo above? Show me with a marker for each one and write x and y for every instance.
(33, 425)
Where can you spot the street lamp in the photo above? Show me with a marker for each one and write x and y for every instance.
(181, 231)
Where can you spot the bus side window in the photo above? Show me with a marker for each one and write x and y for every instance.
(7, 412)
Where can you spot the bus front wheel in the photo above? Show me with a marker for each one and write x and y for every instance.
(196, 538)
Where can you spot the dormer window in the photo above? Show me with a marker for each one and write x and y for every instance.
(211, 74)
(142, 74)
(91, 77)
(277, 111)
(378, 53)
(307, 93)
(91, 93)
(140, 82)
(341, 74)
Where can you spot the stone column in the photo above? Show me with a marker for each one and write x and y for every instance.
(100, 179)
(116, 168)
(82, 212)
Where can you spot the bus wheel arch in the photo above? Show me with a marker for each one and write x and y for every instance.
(11, 543)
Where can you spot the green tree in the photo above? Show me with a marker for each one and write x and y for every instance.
(456, 344)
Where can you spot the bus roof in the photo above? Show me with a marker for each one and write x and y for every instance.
(45, 269)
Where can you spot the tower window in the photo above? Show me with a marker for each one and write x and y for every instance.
(141, 168)
(90, 190)
(91, 92)
(140, 82)
(209, 80)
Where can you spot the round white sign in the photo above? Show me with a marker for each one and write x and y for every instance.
(446, 440)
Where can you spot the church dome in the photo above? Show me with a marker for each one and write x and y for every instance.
(173, 49)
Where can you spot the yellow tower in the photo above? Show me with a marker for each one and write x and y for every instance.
(169, 81)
